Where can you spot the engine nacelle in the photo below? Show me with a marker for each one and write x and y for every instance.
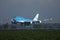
(36, 22)
(13, 22)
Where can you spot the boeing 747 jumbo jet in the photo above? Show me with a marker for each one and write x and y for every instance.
(18, 19)
(22, 20)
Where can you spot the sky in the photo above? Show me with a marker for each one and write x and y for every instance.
(29, 8)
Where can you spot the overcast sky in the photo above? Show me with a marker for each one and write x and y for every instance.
(29, 8)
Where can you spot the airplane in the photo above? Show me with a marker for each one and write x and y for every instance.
(18, 19)
(22, 20)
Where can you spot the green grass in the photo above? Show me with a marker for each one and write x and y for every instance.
(25, 34)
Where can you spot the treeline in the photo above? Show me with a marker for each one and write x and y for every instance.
(41, 25)
(47, 25)
(7, 26)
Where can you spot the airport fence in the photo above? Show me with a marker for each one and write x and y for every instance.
(38, 26)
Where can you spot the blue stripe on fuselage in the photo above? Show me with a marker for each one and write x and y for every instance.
(21, 18)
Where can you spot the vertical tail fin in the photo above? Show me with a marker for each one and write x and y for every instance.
(36, 17)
